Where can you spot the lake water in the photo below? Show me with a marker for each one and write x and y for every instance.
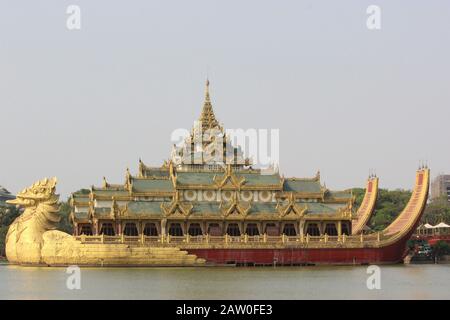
(397, 282)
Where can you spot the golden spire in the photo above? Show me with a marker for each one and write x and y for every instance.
(207, 118)
(207, 98)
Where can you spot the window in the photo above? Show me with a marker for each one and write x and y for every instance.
(195, 230)
(175, 230)
(214, 229)
(233, 230)
(130, 229)
(86, 229)
(272, 229)
(107, 229)
(252, 229)
(289, 230)
(345, 229)
(330, 229)
(150, 230)
(313, 229)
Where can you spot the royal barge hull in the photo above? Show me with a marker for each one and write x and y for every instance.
(391, 254)
(58, 248)
(391, 248)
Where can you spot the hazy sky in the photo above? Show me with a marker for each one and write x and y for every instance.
(88, 103)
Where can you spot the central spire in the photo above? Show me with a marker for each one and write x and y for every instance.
(207, 118)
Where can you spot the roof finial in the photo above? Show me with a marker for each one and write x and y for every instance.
(207, 98)
(207, 117)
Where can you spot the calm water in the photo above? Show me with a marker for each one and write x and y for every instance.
(397, 282)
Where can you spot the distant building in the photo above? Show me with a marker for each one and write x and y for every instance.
(5, 195)
(441, 186)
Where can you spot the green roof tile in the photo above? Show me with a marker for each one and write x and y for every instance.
(81, 215)
(110, 192)
(145, 207)
(156, 172)
(302, 186)
(102, 211)
(260, 179)
(206, 208)
(318, 208)
(340, 194)
(203, 178)
(149, 185)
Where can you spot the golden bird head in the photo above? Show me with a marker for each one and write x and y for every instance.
(40, 191)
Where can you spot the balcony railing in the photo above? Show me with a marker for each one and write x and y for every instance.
(233, 240)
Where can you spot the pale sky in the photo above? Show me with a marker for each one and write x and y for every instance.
(88, 103)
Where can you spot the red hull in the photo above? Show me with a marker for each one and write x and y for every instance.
(345, 256)
(389, 254)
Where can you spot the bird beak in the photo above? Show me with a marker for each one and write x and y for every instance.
(14, 201)
(19, 201)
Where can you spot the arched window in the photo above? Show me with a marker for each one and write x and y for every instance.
(330, 229)
(86, 229)
(252, 229)
(272, 229)
(195, 230)
(130, 229)
(150, 230)
(313, 229)
(289, 230)
(107, 229)
(214, 229)
(233, 230)
(345, 229)
(175, 230)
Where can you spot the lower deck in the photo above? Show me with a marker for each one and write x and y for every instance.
(273, 250)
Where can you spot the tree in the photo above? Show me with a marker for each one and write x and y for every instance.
(358, 193)
(437, 210)
(7, 215)
(440, 248)
(388, 206)
(64, 223)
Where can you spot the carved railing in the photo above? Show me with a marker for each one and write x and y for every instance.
(261, 240)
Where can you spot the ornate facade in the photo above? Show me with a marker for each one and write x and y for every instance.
(195, 194)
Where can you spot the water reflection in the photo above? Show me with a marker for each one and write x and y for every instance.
(397, 282)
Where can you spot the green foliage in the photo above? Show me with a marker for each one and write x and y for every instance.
(83, 191)
(441, 248)
(64, 224)
(388, 206)
(7, 216)
(437, 210)
(358, 193)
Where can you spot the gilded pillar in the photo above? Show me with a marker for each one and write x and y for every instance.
(163, 226)
(95, 231)
(301, 227)
(119, 227)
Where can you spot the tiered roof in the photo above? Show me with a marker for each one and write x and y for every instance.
(157, 192)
